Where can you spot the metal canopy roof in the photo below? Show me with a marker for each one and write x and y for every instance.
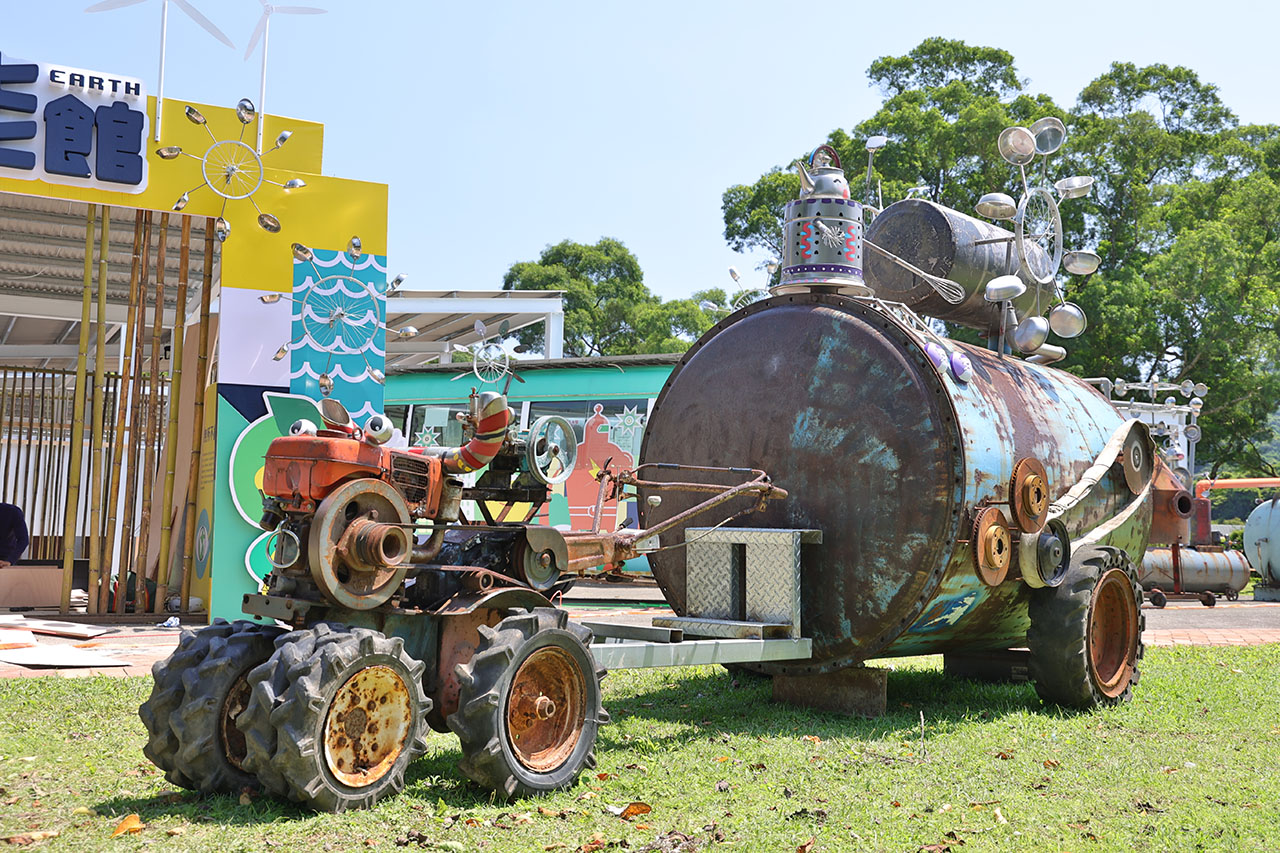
(445, 318)
(42, 244)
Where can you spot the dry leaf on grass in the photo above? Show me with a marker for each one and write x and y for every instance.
(722, 786)
(1050, 764)
(807, 846)
(596, 842)
(1004, 754)
(131, 823)
(177, 830)
(83, 810)
(31, 837)
(1000, 818)
(811, 739)
(245, 799)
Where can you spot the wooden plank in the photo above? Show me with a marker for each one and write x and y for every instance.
(59, 657)
(53, 628)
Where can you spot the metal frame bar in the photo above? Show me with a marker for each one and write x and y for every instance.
(643, 655)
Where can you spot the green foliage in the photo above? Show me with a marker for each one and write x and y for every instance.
(608, 310)
(1185, 215)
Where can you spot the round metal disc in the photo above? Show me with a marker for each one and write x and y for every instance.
(992, 546)
(845, 411)
(359, 590)
(1029, 495)
(552, 450)
(1137, 462)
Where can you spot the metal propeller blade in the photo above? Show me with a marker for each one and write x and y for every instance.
(299, 10)
(108, 5)
(204, 22)
(257, 34)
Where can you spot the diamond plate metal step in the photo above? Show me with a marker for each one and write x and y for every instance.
(742, 582)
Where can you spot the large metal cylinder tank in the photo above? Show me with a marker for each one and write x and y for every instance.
(947, 243)
(1224, 572)
(1262, 541)
(886, 454)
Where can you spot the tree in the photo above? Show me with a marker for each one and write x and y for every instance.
(1185, 215)
(608, 310)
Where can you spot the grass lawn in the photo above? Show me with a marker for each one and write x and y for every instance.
(1193, 763)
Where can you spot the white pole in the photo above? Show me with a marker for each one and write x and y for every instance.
(164, 37)
(262, 91)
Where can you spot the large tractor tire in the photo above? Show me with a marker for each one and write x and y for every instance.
(168, 694)
(267, 684)
(347, 716)
(529, 705)
(1086, 635)
(210, 747)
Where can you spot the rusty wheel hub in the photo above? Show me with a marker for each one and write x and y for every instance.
(546, 709)
(1113, 633)
(366, 727)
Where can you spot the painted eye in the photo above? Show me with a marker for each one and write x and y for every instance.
(302, 427)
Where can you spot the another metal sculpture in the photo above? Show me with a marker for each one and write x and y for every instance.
(232, 168)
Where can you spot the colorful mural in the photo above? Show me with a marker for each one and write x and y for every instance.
(337, 328)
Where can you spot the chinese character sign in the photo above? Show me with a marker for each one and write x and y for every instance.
(70, 126)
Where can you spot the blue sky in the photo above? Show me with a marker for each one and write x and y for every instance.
(504, 127)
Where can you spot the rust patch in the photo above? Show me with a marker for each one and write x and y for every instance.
(546, 709)
(362, 746)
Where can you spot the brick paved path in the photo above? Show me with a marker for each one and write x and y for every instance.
(1176, 626)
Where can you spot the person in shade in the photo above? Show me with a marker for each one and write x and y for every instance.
(13, 534)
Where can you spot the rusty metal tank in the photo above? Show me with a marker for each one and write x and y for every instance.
(1224, 572)
(884, 446)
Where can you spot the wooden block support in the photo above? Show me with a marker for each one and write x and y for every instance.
(859, 690)
(999, 666)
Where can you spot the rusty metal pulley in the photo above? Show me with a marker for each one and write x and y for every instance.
(1137, 459)
(359, 550)
(1029, 495)
(992, 545)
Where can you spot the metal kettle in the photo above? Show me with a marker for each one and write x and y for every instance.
(822, 176)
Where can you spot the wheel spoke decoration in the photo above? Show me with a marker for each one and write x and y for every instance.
(232, 169)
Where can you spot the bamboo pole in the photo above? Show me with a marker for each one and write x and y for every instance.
(99, 393)
(33, 461)
(5, 394)
(8, 447)
(141, 224)
(151, 443)
(165, 558)
(54, 478)
(48, 408)
(137, 406)
(197, 429)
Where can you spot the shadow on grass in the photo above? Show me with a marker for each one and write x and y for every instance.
(721, 702)
(214, 809)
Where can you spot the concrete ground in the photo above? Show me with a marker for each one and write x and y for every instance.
(1242, 622)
